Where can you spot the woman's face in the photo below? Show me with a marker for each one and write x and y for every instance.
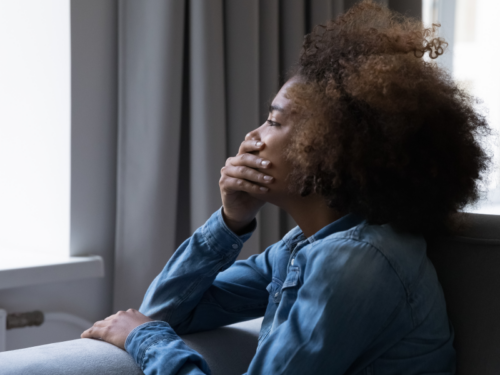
(276, 133)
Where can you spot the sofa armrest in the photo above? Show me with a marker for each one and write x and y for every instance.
(228, 350)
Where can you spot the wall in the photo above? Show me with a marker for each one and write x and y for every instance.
(94, 98)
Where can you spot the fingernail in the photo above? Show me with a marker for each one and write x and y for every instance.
(263, 188)
(258, 144)
(264, 163)
(268, 178)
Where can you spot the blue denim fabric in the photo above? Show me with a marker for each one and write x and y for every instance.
(351, 299)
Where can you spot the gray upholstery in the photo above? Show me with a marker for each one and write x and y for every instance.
(468, 268)
(75, 357)
(228, 351)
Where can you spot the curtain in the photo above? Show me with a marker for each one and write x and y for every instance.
(194, 77)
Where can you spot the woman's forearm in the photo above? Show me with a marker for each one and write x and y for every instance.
(178, 289)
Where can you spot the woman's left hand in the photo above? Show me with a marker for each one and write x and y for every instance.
(115, 328)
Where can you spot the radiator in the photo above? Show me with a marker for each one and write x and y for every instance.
(36, 318)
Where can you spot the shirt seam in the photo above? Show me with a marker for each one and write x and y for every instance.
(193, 286)
(278, 281)
(212, 243)
(156, 341)
(210, 237)
(132, 333)
(376, 249)
(394, 313)
(406, 289)
(239, 308)
(228, 231)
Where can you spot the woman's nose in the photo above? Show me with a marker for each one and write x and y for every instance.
(254, 134)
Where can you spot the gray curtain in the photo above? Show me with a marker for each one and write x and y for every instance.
(194, 77)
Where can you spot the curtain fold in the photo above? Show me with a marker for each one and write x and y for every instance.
(149, 116)
(195, 76)
(241, 19)
(207, 119)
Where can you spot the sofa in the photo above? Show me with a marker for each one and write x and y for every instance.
(468, 267)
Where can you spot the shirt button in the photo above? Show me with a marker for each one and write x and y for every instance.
(235, 246)
(276, 295)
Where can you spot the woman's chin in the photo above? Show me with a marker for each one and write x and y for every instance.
(259, 196)
(269, 197)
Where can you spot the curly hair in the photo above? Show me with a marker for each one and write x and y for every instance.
(380, 131)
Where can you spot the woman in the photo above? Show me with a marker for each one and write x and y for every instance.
(369, 148)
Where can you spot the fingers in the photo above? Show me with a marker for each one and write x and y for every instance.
(250, 145)
(246, 173)
(236, 184)
(240, 174)
(248, 160)
(93, 332)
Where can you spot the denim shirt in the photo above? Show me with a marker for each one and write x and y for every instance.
(351, 299)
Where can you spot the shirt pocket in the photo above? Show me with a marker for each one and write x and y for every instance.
(274, 289)
(292, 278)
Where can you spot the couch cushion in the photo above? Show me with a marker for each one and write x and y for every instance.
(75, 357)
(228, 350)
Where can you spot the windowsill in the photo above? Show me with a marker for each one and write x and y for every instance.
(489, 205)
(30, 268)
(493, 209)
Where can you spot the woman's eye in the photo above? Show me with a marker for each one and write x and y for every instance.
(272, 123)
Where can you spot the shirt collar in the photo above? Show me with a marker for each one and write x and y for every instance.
(344, 223)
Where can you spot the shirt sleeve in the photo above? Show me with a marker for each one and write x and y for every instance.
(158, 350)
(350, 297)
(200, 288)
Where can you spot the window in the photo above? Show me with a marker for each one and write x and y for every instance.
(35, 125)
(470, 26)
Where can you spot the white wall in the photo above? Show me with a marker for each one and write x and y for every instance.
(93, 182)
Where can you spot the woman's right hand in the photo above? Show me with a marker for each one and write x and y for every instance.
(242, 187)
